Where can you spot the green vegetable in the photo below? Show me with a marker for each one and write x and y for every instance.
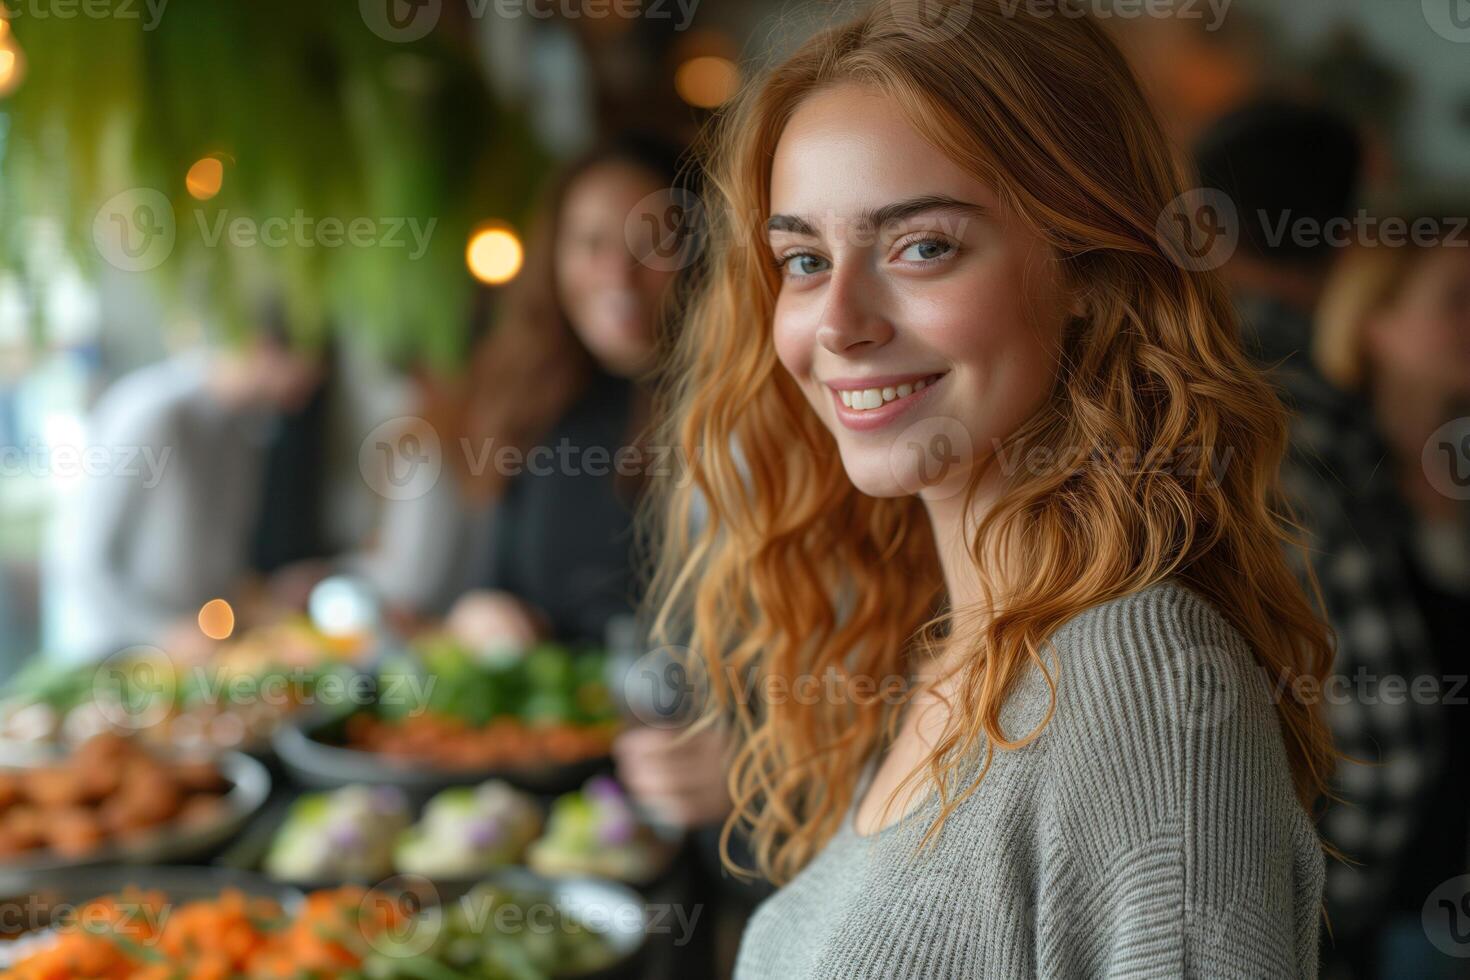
(497, 934)
(550, 684)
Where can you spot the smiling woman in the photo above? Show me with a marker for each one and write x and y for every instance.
(956, 265)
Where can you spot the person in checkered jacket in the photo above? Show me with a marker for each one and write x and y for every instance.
(1281, 162)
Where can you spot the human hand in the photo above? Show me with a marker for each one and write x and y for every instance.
(677, 776)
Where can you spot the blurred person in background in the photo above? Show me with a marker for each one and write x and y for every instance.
(539, 543)
(542, 546)
(1292, 169)
(519, 542)
(216, 478)
(1394, 327)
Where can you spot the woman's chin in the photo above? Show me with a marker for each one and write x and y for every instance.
(872, 475)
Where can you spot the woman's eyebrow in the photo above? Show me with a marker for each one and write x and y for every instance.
(882, 216)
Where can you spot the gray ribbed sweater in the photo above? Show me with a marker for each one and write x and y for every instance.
(1151, 831)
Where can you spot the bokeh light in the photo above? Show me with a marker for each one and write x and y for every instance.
(217, 619)
(205, 178)
(706, 81)
(494, 255)
(12, 63)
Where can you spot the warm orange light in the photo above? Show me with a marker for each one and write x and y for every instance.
(217, 619)
(706, 81)
(12, 64)
(494, 255)
(205, 178)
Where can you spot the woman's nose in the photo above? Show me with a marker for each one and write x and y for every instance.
(852, 318)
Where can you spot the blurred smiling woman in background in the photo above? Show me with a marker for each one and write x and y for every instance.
(535, 518)
(958, 418)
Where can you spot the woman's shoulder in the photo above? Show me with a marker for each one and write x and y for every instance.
(1167, 781)
(1164, 632)
(1154, 679)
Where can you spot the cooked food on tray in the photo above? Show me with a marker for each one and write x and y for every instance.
(596, 831)
(470, 831)
(345, 835)
(363, 833)
(108, 789)
(497, 933)
(517, 930)
(458, 710)
(234, 700)
(140, 935)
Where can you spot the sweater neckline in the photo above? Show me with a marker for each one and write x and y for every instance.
(860, 792)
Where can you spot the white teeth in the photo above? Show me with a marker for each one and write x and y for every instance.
(863, 399)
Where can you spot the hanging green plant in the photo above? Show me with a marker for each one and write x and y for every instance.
(235, 153)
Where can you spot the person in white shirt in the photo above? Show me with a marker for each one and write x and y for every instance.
(171, 522)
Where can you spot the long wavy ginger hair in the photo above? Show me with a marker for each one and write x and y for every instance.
(773, 567)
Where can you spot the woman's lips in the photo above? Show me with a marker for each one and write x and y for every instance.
(861, 391)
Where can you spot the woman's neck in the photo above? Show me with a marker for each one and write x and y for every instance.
(954, 521)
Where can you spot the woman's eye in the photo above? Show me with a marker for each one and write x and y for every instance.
(803, 264)
(926, 251)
